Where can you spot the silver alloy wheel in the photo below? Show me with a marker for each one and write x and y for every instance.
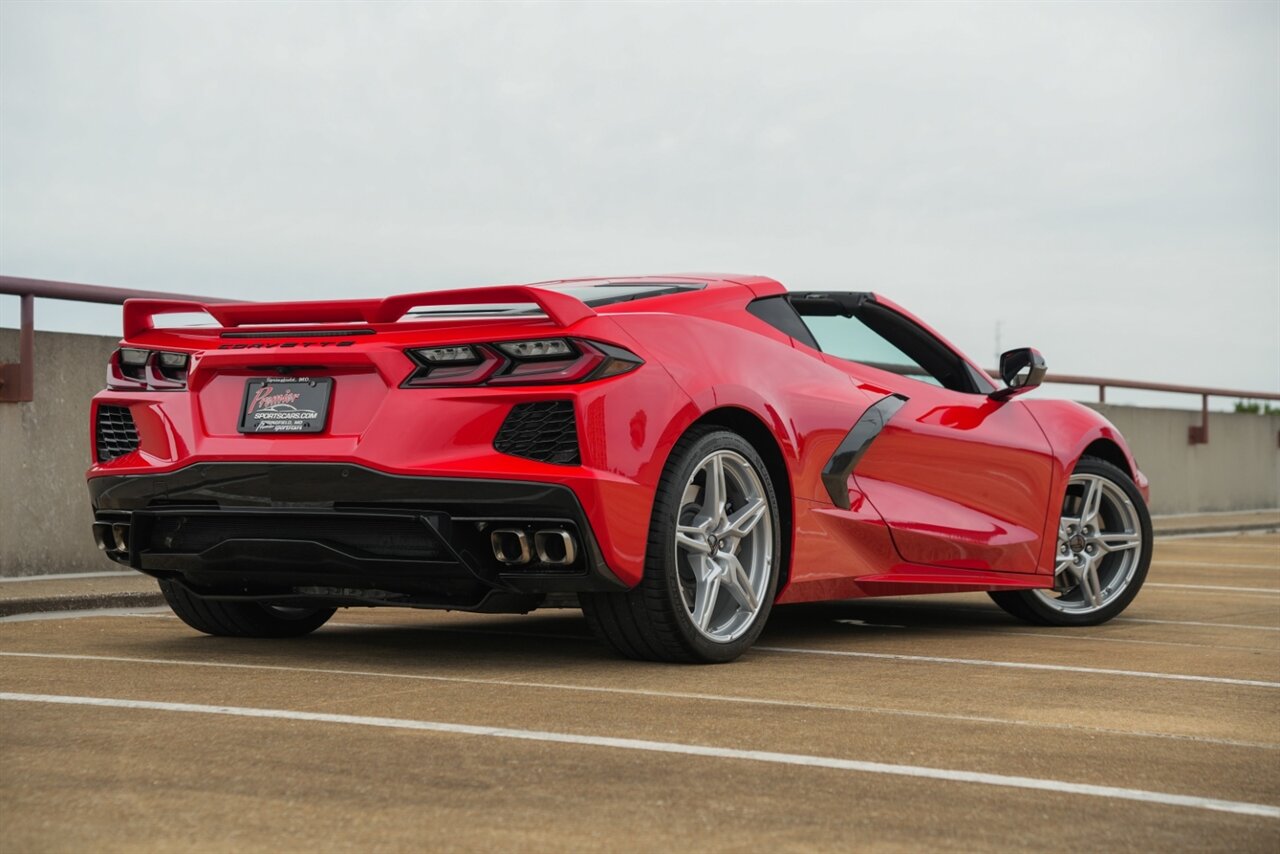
(724, 546)
(1099, 546)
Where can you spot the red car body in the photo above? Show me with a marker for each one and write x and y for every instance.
(959, 491)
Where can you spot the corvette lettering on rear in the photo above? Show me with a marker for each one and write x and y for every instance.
(285, 344)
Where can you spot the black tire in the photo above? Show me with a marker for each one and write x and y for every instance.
(1029, 607)
(241, 619)
(650, 622)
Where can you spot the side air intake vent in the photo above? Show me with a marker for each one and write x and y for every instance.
(115, 433)
(545, 431)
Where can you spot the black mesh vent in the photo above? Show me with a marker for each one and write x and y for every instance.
(115, 432)
(398, 537)
(546, 432)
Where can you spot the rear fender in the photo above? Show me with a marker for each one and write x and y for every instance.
(807, 405)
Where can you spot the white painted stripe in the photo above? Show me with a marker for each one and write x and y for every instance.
(1036, 633)
(900, 605)
(1022, 665)
(1271, 590)
(1257, 511)
(1193, 588)
(63, 576)
(1195, 623)
(1212, 564)
(642, 692)
(92, 612)
(1093, 639)
(1219, 545)
(1235, 536)
(796, 759)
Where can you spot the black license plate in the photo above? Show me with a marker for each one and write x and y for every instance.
(286, 405)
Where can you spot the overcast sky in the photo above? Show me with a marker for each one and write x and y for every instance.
(1103, 179)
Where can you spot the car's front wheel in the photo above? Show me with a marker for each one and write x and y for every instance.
(1102, 553)
(711, 567)
(241, 619)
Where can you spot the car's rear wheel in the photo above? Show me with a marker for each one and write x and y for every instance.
(241, 619)
(1102, 552)
(711, 567)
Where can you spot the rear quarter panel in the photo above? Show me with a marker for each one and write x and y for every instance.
(728, 358)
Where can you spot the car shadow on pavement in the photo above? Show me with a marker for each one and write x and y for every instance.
(883, 618)
(561, 637)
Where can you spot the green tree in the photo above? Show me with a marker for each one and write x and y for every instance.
(1256, 408)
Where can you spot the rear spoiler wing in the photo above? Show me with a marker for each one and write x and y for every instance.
(562, 309)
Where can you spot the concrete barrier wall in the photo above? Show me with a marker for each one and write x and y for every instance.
(44, 451)
(45, 520)
(1239, 469)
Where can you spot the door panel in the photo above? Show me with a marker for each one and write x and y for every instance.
(961, 480)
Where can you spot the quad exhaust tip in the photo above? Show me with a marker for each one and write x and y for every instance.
(112, 537)
(510, 546)
(120, 536)
(555, 546)
(552, 546)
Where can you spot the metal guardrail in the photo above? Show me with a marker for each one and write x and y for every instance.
(1197, 434)
(17, 381)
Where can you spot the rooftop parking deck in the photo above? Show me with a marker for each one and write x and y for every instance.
(931, 722)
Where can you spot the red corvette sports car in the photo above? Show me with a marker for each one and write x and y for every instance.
(673, 454)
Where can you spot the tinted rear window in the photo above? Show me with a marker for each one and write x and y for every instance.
(608, 294)
(593, 295)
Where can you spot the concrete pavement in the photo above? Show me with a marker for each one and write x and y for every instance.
(897, 724)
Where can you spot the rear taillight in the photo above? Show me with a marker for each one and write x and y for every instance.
(132, 369)
(538, 362)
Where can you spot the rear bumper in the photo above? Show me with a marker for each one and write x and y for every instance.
(343, 534)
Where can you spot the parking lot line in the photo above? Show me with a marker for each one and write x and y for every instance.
(888, 606)
(793, 759)
(1093, 639)
(1022, 665)
(642, 692)
(42, 616)
(1037, 633)
(1197, 541)
(1217, 564)
(1270, 591)
(70, 576)
(1196, 623)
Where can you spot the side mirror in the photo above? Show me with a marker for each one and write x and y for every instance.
(1022, 370)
